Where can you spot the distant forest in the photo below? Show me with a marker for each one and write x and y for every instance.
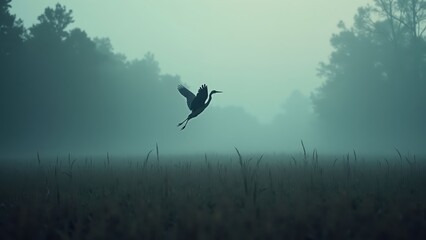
(62, 91)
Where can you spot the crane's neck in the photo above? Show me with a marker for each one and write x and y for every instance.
(210, 99)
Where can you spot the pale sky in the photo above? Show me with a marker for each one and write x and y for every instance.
(256, 51)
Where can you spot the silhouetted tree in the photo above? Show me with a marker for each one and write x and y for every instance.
(11, 32)
(375, 77)
(11, 46)
(53, 23)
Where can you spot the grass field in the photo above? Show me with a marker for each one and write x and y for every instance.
(233, 196)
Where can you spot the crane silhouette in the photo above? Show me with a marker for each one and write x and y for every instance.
(196, 104)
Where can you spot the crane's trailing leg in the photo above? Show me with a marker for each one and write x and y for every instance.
(184, 121)
(184, 126)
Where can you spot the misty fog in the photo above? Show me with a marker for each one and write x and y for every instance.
(64, 90)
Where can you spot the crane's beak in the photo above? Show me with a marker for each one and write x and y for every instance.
(219, 92)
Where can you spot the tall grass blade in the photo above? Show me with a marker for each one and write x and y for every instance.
(304, 149)
(145, 163)
(158, 155)
(38, 159)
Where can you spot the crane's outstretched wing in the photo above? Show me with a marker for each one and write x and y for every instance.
(187, 94)
(200, 99)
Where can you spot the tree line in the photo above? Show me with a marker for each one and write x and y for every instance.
(61, 88)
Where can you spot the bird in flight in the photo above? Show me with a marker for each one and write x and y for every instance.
(196, 104)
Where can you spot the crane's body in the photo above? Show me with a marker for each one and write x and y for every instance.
(196, 104)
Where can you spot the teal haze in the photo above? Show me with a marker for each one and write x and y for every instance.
(258, 50)
(90, 77)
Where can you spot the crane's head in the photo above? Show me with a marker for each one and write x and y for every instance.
(214, 91)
